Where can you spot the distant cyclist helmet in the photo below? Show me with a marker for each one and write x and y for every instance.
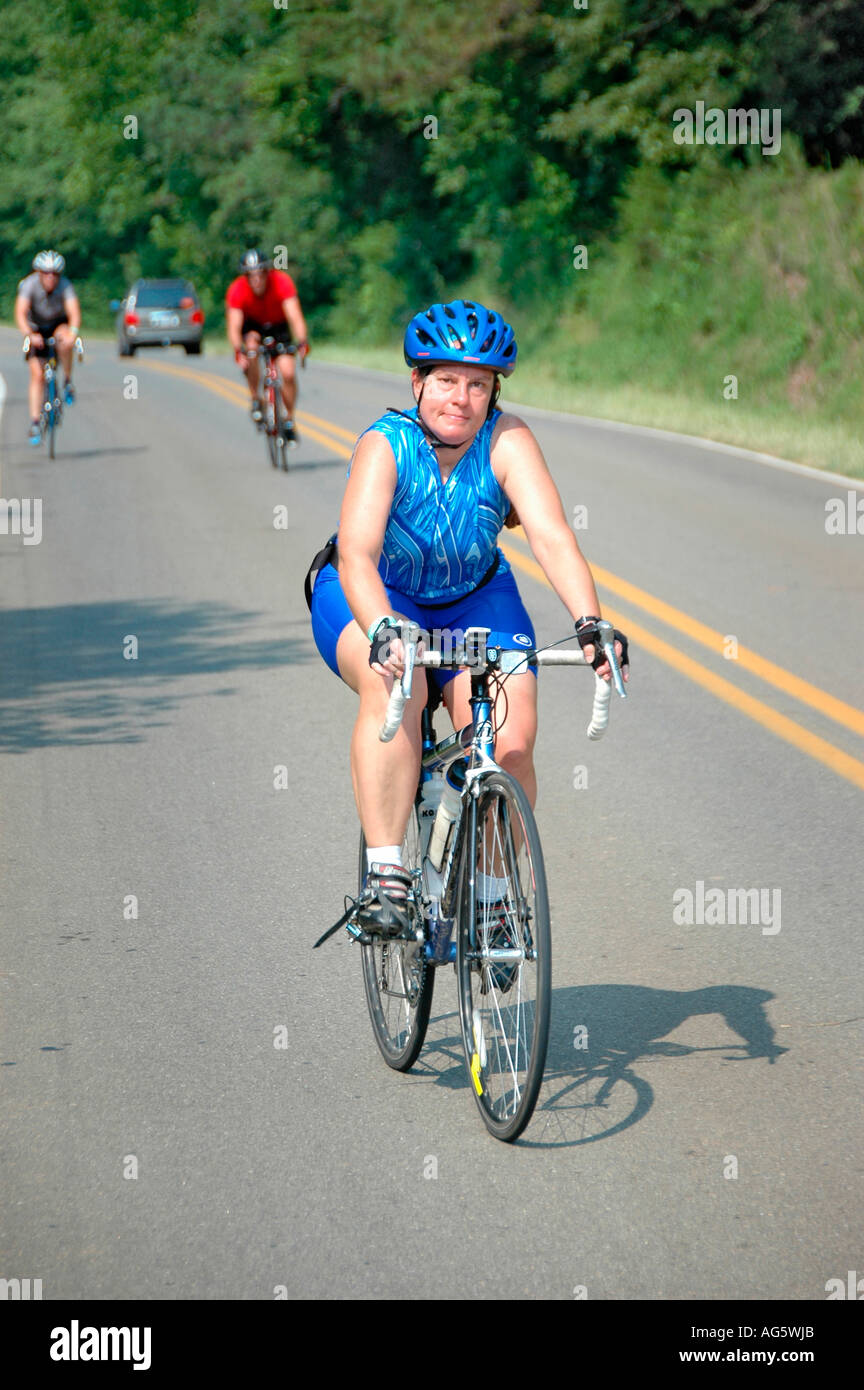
(460, 332)
(49, 260)
(254, 260)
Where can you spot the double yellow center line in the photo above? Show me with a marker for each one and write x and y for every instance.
(850, 718)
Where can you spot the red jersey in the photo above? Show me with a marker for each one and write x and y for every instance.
(266, 307)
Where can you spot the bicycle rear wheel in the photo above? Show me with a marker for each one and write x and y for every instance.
(504, 957)
(397, 976)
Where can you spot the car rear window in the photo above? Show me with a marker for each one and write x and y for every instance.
(163, 296)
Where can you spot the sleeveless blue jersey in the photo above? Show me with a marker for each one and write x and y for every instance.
(441, 538)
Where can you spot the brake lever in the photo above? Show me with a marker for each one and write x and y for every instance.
(410, 633)
(606, 634)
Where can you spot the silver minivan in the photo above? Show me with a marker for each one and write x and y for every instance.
(158, 313)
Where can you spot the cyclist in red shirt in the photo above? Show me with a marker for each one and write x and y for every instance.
(260, 303)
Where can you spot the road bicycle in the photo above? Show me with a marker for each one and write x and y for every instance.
(479, 897)
(275, 418)
(51, 415)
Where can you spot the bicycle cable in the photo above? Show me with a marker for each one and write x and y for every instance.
(501, 680)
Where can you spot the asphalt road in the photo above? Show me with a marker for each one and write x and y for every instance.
(156, 1143)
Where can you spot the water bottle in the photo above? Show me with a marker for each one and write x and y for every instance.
(430, 797)
(447, 815)
(440, 948)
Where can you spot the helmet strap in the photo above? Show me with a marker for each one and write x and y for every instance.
(493, 399)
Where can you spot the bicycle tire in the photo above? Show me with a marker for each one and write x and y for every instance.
(51, 416)
(271, 426)
(504, 1008)
(400, 1016)
(281, 417)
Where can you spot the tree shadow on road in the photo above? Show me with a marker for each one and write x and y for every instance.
(64, 680)
(599, 1036)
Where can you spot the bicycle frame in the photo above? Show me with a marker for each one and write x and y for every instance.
(272, 375)
(475, 742)
(271, 349)
(49, 376)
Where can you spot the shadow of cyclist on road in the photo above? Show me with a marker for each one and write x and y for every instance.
(599, 1034)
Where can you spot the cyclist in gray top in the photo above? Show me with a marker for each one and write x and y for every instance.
(47, 306)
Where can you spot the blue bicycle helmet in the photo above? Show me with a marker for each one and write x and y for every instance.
(460, 332)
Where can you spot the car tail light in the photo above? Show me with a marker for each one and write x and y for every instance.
(196, 317)
(130, 318)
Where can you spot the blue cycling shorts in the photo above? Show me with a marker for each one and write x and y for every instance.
(497, 606)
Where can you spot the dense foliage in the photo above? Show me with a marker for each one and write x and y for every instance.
(313, 125)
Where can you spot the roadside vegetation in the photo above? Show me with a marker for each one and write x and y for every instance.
(398, 155)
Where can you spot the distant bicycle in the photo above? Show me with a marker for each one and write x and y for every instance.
(51, 416)
(281, 436)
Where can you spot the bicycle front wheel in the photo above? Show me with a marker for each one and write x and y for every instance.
(271, 427)
(398, 978)
(50, 411)
(504, 957)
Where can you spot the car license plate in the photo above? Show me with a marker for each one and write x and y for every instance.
(160, 319)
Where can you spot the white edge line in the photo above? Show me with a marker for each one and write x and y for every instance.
(716, 445)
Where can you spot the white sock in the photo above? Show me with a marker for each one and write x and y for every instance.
(383, 854)
(490, 889)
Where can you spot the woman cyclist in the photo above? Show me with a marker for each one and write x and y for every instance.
(427, 495)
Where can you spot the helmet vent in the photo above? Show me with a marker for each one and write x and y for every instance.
(463, 331)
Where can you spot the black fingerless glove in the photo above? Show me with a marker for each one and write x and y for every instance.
(381, 639)
(587, 636)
